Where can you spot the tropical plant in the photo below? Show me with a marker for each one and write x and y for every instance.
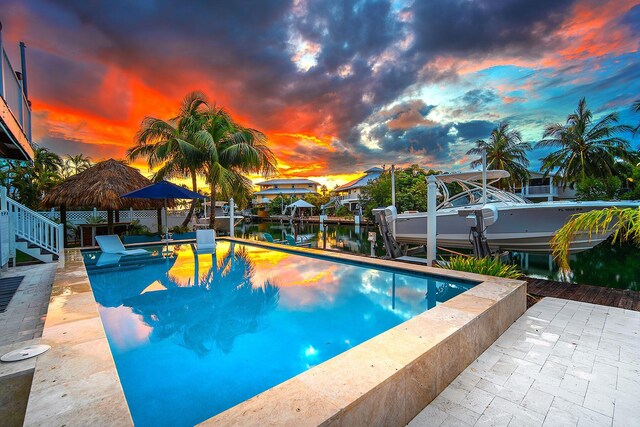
(506, 151)
(411, 191)
(585, 148)
(137, 229)
(636, 108)
(95, 220)
(73, 165)
(599, 189)
(317, 200)
(27, 183)
(486, 266)
(623, 222)
(170, 145)
(231, 150)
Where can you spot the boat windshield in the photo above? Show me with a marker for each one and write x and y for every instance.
(473, 196)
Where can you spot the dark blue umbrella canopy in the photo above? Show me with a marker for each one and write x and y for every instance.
(163, 190)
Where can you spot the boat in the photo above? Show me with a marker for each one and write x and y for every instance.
(222, 223)
(520, 225)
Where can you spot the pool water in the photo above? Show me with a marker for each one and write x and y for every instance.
(195, 334)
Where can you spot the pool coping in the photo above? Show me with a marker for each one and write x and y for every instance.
(380, 381)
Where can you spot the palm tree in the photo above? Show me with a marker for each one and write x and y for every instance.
(585, 149)
(171, 145)
(230, 151)
(505, 150)
(624, 222)
(636, 108)
(73, 165)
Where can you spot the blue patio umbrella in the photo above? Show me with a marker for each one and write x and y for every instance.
(164, 190)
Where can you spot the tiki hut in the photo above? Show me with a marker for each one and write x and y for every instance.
(100, 187)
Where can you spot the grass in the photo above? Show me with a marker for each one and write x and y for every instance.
(487, 266)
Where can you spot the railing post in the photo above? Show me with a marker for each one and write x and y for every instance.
(60, 239)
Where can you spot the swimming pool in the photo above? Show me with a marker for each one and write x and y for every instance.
(193, 335)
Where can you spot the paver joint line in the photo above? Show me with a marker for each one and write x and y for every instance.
(560, 363)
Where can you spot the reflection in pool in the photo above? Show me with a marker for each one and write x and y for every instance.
(195, 334)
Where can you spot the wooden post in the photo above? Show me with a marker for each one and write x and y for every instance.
(117, 212)
(159, 216)
(63, 220)
(109, 221)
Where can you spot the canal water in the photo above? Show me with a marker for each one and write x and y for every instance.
(610, 265)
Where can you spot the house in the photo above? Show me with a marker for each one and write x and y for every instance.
(349, 194)
(21, 229)
(540, 188)
(273, 188)
(15, 109)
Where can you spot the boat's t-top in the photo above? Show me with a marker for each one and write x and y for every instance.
(471, 194)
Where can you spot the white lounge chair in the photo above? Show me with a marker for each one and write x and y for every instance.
(205, 240)
(108, 259)
(111, 244)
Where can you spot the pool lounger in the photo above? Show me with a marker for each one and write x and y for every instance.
(205, 240)
(111, 244)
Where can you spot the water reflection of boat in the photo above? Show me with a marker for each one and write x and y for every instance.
(221, 305)
(520, 225)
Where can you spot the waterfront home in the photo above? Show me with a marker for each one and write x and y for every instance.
(541, 188)
(286, 188)
(349, 194)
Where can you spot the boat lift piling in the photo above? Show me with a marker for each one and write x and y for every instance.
(432, 190)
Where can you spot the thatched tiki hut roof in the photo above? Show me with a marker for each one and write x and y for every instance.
(100, 186)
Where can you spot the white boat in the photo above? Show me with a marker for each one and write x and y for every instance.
(520, 224)
(222, 223)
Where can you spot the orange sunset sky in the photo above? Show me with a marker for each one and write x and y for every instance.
(337, 87)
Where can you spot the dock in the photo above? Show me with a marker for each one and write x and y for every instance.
(611, 297)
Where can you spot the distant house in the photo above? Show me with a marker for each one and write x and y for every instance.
(349, 194)
(540, 188)
(273, 188)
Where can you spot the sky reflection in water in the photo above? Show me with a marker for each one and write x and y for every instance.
(194, 335)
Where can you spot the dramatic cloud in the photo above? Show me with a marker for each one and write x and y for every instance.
(336, 86)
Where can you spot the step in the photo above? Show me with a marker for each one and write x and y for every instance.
(35, 252)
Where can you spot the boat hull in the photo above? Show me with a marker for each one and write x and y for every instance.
(527, 228)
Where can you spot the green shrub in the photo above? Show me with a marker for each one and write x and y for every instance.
(180, 229)
(487, 266)
(137, 229)
(95, 220)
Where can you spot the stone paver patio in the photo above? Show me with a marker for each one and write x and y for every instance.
(24, 318)
(563, 363)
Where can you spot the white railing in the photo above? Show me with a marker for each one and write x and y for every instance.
(11, 91)
(35, 228)
(539, 190)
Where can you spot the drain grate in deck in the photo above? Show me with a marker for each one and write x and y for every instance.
(8, 287)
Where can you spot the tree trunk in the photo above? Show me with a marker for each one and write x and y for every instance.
(109, 221)
(194, 185)
(212, 214)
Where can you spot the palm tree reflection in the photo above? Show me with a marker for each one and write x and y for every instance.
(222, 305)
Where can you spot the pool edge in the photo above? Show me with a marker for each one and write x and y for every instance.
(76, 381)
(381, 381)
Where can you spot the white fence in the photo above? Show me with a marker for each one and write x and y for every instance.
(147, 218)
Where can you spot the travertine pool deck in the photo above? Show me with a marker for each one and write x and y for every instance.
(386, 380)
(21, 325)
(563, 363)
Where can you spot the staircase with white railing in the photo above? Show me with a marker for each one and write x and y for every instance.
(32, 233)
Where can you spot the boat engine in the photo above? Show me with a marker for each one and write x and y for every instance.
(479, 220)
